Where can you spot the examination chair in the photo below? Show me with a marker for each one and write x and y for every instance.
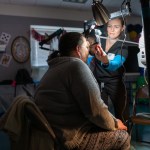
(27, 127)
(138, 117)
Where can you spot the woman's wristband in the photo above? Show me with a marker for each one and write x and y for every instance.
(105, 65)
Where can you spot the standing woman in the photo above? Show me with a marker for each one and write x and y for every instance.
(107, 66)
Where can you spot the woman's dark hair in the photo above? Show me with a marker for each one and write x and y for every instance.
(67, 44)
(122, 21)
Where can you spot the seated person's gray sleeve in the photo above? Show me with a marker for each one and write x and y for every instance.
(86, 92)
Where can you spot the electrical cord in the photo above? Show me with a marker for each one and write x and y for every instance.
(145, 76)
(124, 39)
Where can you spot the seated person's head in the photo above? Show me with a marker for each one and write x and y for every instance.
(73, 44)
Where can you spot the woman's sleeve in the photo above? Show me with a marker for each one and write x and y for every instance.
(86, 92)
(116, 63)
(118, 59)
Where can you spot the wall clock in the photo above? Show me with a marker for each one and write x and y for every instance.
(20, 49)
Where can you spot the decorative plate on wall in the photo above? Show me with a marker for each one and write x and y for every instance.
(20, 49)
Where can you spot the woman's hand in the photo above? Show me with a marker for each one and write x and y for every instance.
(121, 126)
(100, 54)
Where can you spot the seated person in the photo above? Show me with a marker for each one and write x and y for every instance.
(69, 97)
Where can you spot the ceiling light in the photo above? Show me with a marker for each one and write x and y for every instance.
(76, 1)
(100, 13)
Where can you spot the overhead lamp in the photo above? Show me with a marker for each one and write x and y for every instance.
(100, 13)
(102, 16)
(76, 1)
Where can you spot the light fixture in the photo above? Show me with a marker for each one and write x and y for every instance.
(100, 13)
(76, 1)
(125, 10)
(102, 16)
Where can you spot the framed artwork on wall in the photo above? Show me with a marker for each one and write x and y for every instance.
(20, 49)
(4, 40)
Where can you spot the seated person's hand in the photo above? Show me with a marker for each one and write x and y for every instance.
(121, 126)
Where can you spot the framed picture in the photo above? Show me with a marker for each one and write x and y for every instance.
(20, 49)
(5, 60)
(4, 40)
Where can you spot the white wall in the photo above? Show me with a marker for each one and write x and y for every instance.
(45, 12)
(54, 13)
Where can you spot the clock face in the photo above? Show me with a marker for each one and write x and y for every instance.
(20, 49)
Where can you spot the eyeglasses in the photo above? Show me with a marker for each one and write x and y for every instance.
(93, 44)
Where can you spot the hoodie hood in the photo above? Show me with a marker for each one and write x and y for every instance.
(61, 60)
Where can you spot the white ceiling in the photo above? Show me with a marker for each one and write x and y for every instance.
(111, 5)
